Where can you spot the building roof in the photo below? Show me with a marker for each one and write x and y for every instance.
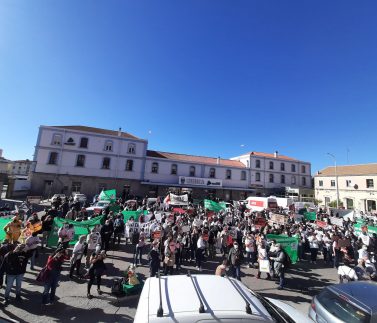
(98, 130)
(195, 159)
(267, 155)
(365, 169)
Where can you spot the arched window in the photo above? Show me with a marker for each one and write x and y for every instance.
(293, 181)
(84, 142)
(108, 145)
(257, 163)
(282, 167)
(129, 165)
(257, 177)
(106, 163)
(293, 168)
(271, 165)
(192, 171)
(212, 173)
(228, 174)
(131, 148)
(173, 169)
(56, 140)
(282, 179)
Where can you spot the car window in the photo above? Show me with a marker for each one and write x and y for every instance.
(342, 309)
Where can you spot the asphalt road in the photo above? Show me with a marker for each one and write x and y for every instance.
(303, 281)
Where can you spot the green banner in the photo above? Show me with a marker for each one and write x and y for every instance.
(302, 211)
(214, 206)
(81, 228)
(310, 216)
(114, 208)
(109, 195)
(3, 223)
(371, 229)
(135, 214)
(289, 244)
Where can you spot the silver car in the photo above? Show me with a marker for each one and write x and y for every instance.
(351, 302)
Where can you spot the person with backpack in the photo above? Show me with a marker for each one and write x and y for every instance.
(280, 263)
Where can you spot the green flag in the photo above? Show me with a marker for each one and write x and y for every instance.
(310, 216)
(214, 206)
(114, 208)
(371, 229)
(289, 244)
(81, 228)
(109, 195)
(3, 223)
(135, 214)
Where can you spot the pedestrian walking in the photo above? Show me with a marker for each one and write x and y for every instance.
(96, 270)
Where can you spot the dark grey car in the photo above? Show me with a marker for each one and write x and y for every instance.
(353, 302)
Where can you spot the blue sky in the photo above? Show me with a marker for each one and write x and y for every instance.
(204, 77)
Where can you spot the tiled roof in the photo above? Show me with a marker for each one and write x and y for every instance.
(365, 169)
(97, 130)
(195, 159)
(259, 154)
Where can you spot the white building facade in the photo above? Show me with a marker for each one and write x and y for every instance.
(20, 168)
(278, 174)
(357, 186)
(83, 159)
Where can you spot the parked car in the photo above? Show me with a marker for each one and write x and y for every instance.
(351, 302)
(79, 197)
(55, 196)
(97, 207)
(208, 298)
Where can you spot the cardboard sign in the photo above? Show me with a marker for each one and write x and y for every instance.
(321, 224)
(337, 221)
(278, 219)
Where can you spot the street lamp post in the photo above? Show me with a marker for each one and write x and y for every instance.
(336, 180)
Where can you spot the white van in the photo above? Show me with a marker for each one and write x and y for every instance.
(258, 203)
(207, 299)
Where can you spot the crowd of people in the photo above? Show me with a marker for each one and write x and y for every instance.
(172, 238)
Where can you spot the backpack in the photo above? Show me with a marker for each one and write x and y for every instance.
(117, 287)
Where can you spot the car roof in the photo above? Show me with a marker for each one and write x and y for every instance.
(363, 293)
(219, 296)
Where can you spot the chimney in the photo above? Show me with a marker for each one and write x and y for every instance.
(218, 160)
(119, 131)
(276, 154)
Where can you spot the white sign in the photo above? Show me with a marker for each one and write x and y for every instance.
(337, 221)
(197, 181)
(178, 199)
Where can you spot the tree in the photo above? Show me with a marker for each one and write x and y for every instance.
(333, 203)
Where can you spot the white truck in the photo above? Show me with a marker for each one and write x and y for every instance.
(258, 203)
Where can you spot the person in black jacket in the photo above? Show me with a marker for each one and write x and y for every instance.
(14, 265)
(154, 259)
(106, 233)
(234, 259)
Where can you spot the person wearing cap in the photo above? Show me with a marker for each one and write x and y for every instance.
(154, 258)
(234, 259)
(14, 265)
(279, 267)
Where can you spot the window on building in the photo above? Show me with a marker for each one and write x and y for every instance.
(271, 165)
(271, 178)
(131, 149)
(56, 140)
(76, 187)
(80, 162)
(84, 142)
(320, 183)
(293, 180)
(129, 165)
(257, 163)
(212, 173)
(257, 177)
(332, 183)
(348, 182)
(106, 163)
(155, 168)
(173, 170)
(228, 174)
(192, 171)
(282, 167)
(303, 181)
(303, 169)
(293, 168)
(243, 175)
(108, 145)
(370, 183)
(282, 179)
(53, 159)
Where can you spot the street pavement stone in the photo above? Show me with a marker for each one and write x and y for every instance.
(304, 280)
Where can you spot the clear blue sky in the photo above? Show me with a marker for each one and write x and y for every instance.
(205, 77)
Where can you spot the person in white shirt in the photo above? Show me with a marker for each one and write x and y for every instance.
(262, 255)
(78, 252)
(250, 248)
(93, 239)
(346, 272)
(201, 246)
(363, 253)
(314, 246)
(66, 234)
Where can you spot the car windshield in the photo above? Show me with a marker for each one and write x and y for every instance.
(341, 308)
(276, 313)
